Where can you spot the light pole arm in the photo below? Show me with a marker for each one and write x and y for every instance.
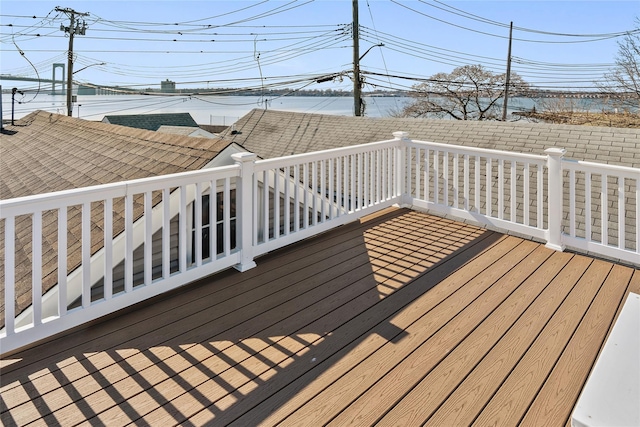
(367, 51)
(90, 65)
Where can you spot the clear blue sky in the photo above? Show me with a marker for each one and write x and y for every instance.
(233, 43)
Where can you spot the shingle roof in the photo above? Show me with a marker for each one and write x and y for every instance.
(151, 121)
(186, 131)
(214, 128)
(50, 152)
(271, 133)
(177, 130)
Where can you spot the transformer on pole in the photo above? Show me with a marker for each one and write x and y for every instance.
(74, 28)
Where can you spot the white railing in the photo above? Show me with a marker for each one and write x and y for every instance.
(118, 219)
(506, 190)
(589, 207)
(602, 209)
(329, 188)
(163, 232)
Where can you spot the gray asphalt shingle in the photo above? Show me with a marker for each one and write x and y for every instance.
(271, 133)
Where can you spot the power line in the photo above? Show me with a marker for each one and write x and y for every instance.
(197, 20)
(595, 39)
(547, 85)
(73, 29)
(384, 62)
(478, 18)
(308, 32)
(290, 42)
(280, 9)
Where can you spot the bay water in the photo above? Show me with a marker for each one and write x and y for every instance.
(221, 110)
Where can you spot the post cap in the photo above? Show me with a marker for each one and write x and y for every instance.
(401, 135)
(244, 157)
(555, 151)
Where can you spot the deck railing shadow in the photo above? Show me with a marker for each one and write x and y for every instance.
(250, 341)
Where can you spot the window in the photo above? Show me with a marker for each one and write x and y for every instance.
(219, 224)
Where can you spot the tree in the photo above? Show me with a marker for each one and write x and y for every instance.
(468, 93)
(624, 80)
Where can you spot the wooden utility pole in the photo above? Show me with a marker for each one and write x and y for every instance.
(357, 96)
(74, 28)
(506, 84)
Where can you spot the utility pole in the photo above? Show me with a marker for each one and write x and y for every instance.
(74, 28)
(506, 85)
(357, 98)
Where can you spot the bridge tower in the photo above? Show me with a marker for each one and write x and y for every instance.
(54, 81)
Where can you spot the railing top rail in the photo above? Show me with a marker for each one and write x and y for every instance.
(71, 197)
(461, 149)
(325, 154)
(599, 167)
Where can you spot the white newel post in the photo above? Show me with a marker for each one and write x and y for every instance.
(245, 210)
(401, 168)
(555, 203)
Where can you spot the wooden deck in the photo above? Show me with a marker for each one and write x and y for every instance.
(401, 319)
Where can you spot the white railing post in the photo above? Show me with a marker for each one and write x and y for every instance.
(402, 186)
(10, 275)
(555, 203)
(244, 209)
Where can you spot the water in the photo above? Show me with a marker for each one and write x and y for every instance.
(225, 110)
(204, 109)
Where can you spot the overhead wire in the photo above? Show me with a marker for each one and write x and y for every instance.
(39, 65)
(478, 18)
(34, 69)
(172, 101)
(445, 59)
(576, 73)
(301, 45)
(46, 18)
(179, 40)
(594, 39)
(400, 41)
(313, 39)
(381, 76)
(272, 57)
(261, 30)
(195, 20)
(384, 62)
(274, 11)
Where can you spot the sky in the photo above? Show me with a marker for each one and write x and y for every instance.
(294, 43)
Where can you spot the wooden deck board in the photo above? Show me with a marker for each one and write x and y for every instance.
(470, 396)
(334, 360)
(470, 374)
(404, 377)
(562, 387)
(237, 320)
(516, 394)
(428, 336)
(225, 289)
(398, 319)
(254, 362)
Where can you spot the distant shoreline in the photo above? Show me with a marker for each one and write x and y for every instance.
(618, 120)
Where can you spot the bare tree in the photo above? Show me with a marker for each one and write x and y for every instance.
(468, 93)
(623, 82)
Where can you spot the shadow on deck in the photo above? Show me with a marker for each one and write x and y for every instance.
(398, 319)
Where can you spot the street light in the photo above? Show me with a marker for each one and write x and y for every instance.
(367, 51)
(357, 81)
(71, 98)
(91, 65)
